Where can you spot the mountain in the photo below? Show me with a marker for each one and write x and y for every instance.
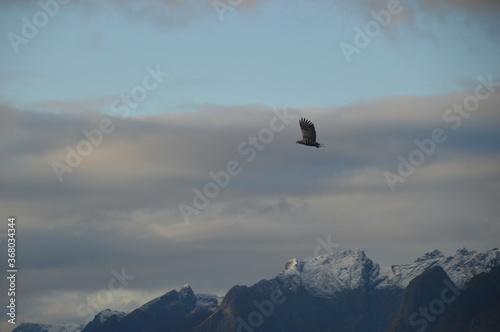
(425, 297)
(343, 291)
(162, 312)
(460, 268)
(476, 309)
(106, 320)
(186, 324)
(35, 327)
(331, 292)
(432, 303)
(174, 311)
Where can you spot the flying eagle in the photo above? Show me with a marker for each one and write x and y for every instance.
(308, 133)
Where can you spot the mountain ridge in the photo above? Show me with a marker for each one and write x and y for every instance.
(341, 291)
(344, 283)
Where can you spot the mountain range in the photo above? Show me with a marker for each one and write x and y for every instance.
(344, 291)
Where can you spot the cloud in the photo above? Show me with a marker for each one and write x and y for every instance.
(173, 14)
(164, 13)
(119, 207)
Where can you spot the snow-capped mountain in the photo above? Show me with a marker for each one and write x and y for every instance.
(343, 291)
(107, 313)
(106, 319)
(160, 313)
(100, 318)
(330, 274)
(183, 307)
(185, 296)
(460, 268)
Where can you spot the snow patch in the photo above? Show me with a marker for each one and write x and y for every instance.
(331, 274)
(207, 301)
(105, 314)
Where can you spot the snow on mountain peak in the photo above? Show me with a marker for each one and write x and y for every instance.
(465, 252)
(105, 314)
(327, 275)
(186, 292)
(184, 297)
(207, 301)
(430, 255)
(330, 274)
(460, 268)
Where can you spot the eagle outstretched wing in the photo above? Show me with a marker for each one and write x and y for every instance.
(308, 130)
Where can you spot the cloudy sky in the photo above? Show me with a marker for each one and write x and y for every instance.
(156, 141)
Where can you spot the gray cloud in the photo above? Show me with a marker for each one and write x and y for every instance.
(119, 208)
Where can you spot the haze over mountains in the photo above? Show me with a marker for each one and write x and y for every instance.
(342, 291)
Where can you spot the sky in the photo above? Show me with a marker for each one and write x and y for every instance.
(146, 146)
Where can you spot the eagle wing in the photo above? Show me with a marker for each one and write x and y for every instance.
(308, 130)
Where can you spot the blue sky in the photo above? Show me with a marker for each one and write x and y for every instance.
(223, 83)
(276, 54)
